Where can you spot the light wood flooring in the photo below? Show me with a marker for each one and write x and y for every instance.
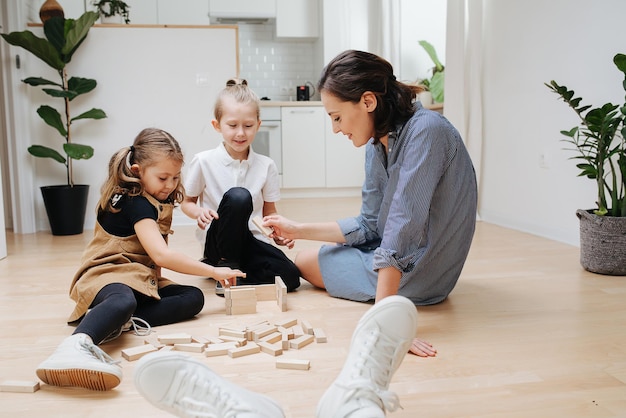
(526, 333)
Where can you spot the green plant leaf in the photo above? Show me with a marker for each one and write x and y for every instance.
(571, 132)
(91, 114)
(436, 86)
(430, 50)
(54, 30)
(70, 94)
(76, 32)
(38, 81)
(81, 85)
(52, 118)
(78, 151)
(44, 152)
(39, 47)
(620, 62)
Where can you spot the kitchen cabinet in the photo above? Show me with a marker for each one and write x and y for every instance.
(297, 19)
(168, 12)
(314, 156)
(303, 142)
(345, 163)
(242, 9)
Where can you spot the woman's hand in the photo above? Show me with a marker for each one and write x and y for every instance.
(289, 243)
(284, 229)
(205, 217)
(422, 348)
(227, 276)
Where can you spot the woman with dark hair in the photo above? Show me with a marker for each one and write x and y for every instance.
(418, 212)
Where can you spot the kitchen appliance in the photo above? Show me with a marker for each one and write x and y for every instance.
(302, 93)
(268, 140)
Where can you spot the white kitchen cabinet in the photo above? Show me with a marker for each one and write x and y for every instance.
(187, 12)
(345, 163)
(297, 19)
(303, 139)
(242, 9)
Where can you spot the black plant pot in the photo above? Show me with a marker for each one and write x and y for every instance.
(66, 206)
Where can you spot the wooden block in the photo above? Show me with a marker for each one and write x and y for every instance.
(250, 348)
(306, 327)
(178, 338)
(251, 303)
(281, 294)
(237, 340)
(153, 339)
(285, 341)
(272, 338)
(21, 386)
(215, 340)
(320, 336)
(246, 292)
(219, 349)
(259, 224)
(271, 349)
(238, 310)
(135, 353)
(265, 292)
(286, 323)
(262, 332)
(293, 364)
(232, 333)
(167, 348)
(302, 341)
(190, 347)
(298, 331)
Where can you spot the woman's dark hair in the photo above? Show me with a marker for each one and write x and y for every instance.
(352, 73)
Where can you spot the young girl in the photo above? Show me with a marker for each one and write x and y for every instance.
(119, 281)
(241, 185)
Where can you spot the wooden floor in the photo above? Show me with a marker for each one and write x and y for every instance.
(526, 333)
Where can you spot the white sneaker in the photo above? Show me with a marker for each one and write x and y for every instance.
(379, 343)
(77, 361)
(185, 387)
(137, 325)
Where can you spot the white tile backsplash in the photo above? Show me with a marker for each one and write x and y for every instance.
(273, 68)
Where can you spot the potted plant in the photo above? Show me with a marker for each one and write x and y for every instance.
(601, 151)
(65, 204)
(112, 11)
(436, 83)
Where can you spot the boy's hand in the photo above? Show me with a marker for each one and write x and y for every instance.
(227, 276)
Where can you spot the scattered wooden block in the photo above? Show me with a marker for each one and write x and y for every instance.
(178, 338)
(219, 349)
(232, 333)
(237, 340)
(262, 332)
(190, 347)
(271, 349)
(215, 340)
(306, 327)
(239, 310)
(285, 341)
(167, 348)
(200, 340)
(21, 386)
(272, 338)
(154, 340)
(298, 331)
(246, 293)
(320, 336)
(287, 323)
(135, 353)
(293, 364)
(250, 348)
(259, 224)
(302, 341)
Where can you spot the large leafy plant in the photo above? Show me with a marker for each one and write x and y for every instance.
(62, 39)
(599, 142)
(436, 83)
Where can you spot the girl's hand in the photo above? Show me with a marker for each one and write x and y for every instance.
(227, 276)
(284, 229)
(422, 348)
(205, 218)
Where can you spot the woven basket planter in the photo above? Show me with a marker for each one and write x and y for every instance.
(602, 243)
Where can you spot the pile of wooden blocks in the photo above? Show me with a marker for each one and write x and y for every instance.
(239, 340)
(243, 299)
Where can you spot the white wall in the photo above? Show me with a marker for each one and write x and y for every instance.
(526, 44)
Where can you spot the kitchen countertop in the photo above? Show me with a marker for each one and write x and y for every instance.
(284, 103)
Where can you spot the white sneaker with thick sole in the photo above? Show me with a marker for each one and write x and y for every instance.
(380, 341)
(77, 361)
(185, 387)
